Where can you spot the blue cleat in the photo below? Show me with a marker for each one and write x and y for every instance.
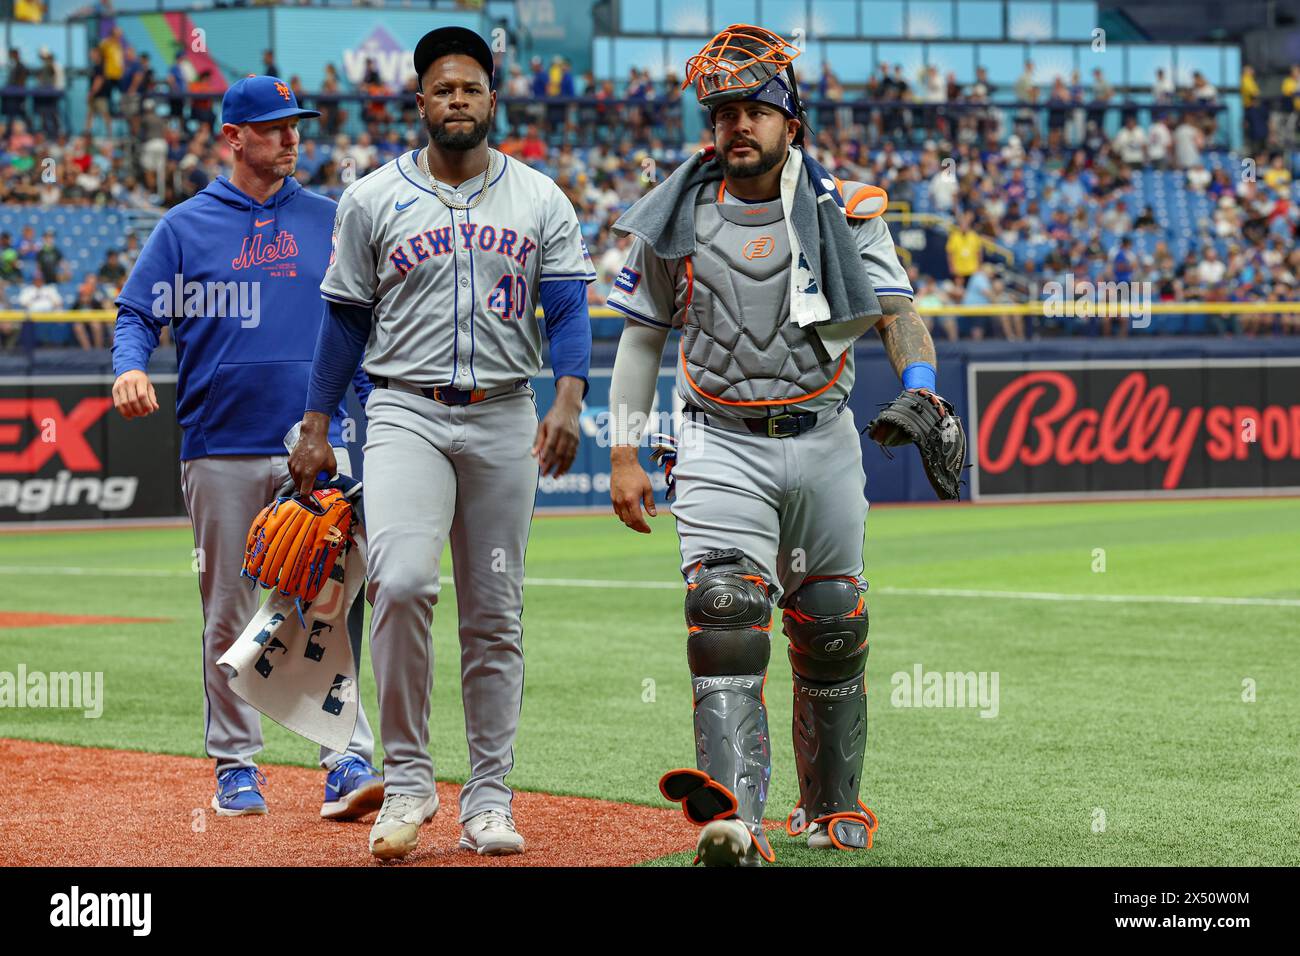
(237, 792)
(352, 789)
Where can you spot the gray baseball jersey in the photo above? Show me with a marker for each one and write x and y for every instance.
(454, 292)
(740, 277)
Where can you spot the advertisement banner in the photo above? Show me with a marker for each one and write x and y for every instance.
(65, 454)
(227, 44)
(1135, 427)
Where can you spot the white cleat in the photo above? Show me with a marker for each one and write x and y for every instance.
(819, 838)
(397, 828)
(491, 833)
(726, 843)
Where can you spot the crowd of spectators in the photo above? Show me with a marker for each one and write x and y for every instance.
(151, 141)
(31, 271)
(932, 104)
(1086, 219)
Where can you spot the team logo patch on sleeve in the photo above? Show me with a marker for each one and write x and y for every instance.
(627, 280)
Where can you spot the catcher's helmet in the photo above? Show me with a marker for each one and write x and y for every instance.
(745, 62)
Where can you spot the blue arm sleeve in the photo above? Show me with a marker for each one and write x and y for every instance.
(339, 347)
(361, 383)
(568, 328)
(145, 304)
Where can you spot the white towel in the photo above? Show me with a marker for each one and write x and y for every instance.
(807, 303)
(304, 678)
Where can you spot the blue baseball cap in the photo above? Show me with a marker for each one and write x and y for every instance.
(259, 99)
(775, 92)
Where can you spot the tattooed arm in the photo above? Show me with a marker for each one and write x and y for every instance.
(904, 335)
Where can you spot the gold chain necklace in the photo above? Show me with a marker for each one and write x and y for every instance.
(487, 178)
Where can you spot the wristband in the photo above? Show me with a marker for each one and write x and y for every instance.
(919, 375)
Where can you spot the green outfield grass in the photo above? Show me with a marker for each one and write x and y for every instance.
(1121, 737)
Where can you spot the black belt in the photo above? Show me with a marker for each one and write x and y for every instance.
(787, 425)
(448, 395)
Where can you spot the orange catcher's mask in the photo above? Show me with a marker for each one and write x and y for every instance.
(746, 62)
(736, 63)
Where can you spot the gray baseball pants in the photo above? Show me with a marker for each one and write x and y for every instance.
(436, 473)
(223, 495)
(795, 506)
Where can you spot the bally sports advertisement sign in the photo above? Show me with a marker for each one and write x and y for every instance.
(1125, 428)
(65, 454)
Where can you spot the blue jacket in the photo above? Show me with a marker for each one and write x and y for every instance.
(239, 283)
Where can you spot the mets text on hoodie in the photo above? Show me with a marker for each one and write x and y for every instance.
(239, 283)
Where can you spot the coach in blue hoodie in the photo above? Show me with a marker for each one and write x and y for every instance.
(236, 273)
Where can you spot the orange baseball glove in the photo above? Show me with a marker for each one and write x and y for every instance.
(294, 542)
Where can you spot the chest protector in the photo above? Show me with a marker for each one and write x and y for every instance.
(740, 351)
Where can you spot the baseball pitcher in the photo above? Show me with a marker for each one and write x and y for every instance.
(770, 268)
(441, 258)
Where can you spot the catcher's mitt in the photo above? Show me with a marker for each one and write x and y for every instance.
(295, 541)
(913, 418)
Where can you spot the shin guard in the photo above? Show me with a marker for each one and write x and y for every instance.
(733, 754)
(728, 615)
(826, 623)
(830, 735)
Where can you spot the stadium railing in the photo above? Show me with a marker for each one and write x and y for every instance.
(1063, 320)
(587, 112)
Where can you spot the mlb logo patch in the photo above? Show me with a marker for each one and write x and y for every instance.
(627, 280)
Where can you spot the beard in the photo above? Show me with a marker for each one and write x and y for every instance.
(460, 139)
(765, 161)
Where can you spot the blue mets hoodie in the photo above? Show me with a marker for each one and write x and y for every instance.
(239, 283)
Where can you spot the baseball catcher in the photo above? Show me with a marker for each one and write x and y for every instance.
(770, 268)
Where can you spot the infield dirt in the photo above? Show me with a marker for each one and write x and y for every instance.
(78, 806)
